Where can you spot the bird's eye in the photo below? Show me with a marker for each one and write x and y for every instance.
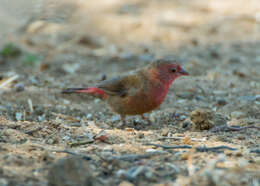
(173, 70)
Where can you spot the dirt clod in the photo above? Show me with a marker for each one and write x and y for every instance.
(205, 119)
(71, 171)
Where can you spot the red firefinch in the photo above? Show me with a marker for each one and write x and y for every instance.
(136, 92)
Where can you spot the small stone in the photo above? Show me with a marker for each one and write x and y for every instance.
(140, 135)
(165, 132)
(40, 118)
(19, 87)
(238, 154)
(33, 80)
(71, 68)
(184, 156)
(71, 171)
(152, 117)
(115, 118)
(186, 124)
(151, 150)
(18, 116)
(221, 102)
(35, 26)
(89, 116)
(182, 117)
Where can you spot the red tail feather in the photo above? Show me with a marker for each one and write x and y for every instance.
(89, 90)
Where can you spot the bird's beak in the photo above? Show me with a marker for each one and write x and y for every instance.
(183, 72)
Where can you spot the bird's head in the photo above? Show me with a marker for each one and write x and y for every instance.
(168, 70)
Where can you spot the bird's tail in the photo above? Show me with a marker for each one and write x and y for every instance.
(90, 90)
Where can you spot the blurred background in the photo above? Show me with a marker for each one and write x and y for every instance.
(72, 33)
(158, 26)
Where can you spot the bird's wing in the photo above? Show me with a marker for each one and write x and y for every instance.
(122, 86)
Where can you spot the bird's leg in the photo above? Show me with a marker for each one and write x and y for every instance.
(147, 119)
(123, 120)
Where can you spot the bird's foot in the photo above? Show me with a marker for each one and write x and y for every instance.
(149, 122)
(123, 122)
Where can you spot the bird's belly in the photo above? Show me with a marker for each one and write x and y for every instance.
(135, 105)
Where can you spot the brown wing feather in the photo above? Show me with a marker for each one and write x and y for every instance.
(123, 85)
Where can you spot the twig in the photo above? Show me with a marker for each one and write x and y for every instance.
(214, 149)
(199, 149)
(226, 128)
(30, 132)
(75, 144)
(133, 157)
(132, 173)
(170, 147)
(30, 105)
(86, 157)
(8, 81)
(181, 138)
(255, 151)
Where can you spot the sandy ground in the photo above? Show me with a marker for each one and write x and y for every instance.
(56, 44)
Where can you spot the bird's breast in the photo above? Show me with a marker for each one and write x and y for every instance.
(145, 100)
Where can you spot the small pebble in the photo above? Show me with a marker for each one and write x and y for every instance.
(115, 118)
(151, 150)
(40, 118)
(182, 117)
(71, 68)
(186, 124)
(33, 80)
(19, 87)
(165, 132)
(89, 116)
(18, 116)
(140, 135)
(221, 102)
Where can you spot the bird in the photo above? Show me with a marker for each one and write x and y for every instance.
(136, 92)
